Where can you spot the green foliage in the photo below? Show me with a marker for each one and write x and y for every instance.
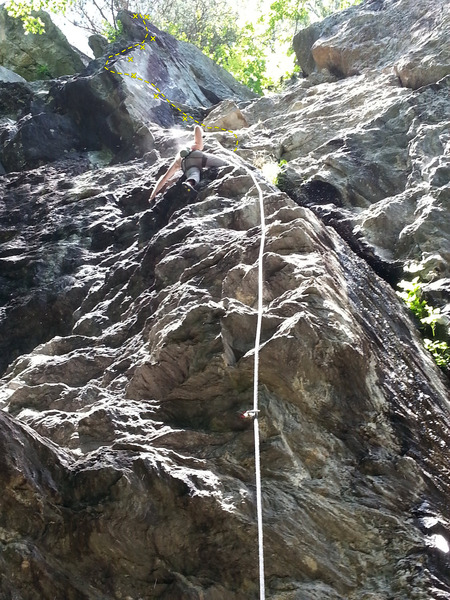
(284, 19)
(208, 24)
(412, 296)
(43, 71)
(429, 318)
(245, 60)
(432, 319)
(321, 10)
(272, 35)
(273, 170)
(23, 9)
(281, 171)
(270, 171)
(111, 32)
(440, 352)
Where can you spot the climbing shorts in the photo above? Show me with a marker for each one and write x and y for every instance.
(200, 160)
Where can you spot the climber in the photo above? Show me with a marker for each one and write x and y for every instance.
(191, 161)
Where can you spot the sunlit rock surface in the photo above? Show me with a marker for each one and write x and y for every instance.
(98, 110)
(368, 154)
(388, 34)
(127, 337)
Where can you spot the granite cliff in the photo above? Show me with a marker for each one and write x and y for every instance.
(127, 330)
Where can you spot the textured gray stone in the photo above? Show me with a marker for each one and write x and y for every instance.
(98, 110)
(140, 456)
(98, 45)
(9, 76)
(361, 38)
(369, 156)
(303, 43)
(180, 69)
(127, 335)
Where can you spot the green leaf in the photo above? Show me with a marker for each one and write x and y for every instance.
(428, 316)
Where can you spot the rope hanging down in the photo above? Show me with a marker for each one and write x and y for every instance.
(254, 413)
(255, 393)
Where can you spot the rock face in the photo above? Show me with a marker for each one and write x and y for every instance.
(36, 56)
(99, 110)
(368, 36)
(368, 154)
(98, 44)
(184, 73)
(127, 338)
(10, 76)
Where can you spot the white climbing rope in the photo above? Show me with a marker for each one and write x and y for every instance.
(255, 412)
(255, 394)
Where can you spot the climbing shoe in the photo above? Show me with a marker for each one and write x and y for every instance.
(188, 187)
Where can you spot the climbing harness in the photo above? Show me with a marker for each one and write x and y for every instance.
(253, 414)
(185, 155)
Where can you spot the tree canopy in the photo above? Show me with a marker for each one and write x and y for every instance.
(257, 51)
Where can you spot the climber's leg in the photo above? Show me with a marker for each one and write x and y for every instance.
(192, 177)
(210, 160)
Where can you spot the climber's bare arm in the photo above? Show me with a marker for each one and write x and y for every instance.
(174, 167)
(198, 138)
